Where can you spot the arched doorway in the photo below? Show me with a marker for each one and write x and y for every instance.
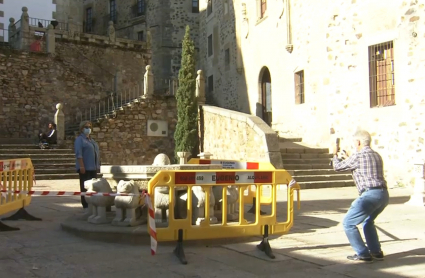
(266, 95)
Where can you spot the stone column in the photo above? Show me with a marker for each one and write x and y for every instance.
(50, 39)
(289, 47)
(183, 157)
(12, 32)
(60, 121)
(148, 83)
(200, 88)
(417, 198)
(24, 39)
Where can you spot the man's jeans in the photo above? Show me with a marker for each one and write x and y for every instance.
(364, 210)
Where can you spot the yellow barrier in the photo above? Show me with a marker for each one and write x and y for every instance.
(179, 229)
(15, 175)
(237, 164)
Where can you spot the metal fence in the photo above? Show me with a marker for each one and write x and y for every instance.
(44, 23)
(166, 86)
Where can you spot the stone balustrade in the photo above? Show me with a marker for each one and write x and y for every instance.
(21, 35)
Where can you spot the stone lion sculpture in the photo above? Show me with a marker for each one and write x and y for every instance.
(128, 208)
(98, 204)
(161, 202)
(232, 198)
(198, 206)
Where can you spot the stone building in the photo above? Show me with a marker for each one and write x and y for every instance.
(162, 23)
(309, 67)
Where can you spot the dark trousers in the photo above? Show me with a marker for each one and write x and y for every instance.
(43, 138)
(88, 175)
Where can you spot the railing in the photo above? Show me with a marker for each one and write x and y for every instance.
(106, 107)
(166, 86)
(18, 24)
(44, 23)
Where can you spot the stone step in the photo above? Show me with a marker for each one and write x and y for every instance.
(290, 139)
(316, 172)
(37, 151)
(41, 161)
(16, 141)
(334, 177)
(325, 184)
(304, 150)
(37, 156)
(306, 161)
(45, 171)
(19, 146)
(53, 165)
(305, 155)
(59, 176)
(306, 166)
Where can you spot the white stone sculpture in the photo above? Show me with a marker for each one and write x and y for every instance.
(232, 198)
(128, 208)
(198, 206)
(200, 87)
(98, 204)
(148, 82)
(161, 160)
(162, 202)
(111, 32)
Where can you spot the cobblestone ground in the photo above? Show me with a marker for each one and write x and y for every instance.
(315, 247)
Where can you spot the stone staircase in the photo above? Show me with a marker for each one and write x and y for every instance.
(310, 166)
(48, 164)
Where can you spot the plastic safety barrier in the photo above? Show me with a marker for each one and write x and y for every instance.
(179, 229)
(249, 195)
(15, 175)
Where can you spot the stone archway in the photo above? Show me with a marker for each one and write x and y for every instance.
(265, 96)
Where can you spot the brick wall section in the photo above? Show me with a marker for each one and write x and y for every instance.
(124, 140)
(32, 84)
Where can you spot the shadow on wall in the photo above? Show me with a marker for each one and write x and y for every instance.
(226, 84)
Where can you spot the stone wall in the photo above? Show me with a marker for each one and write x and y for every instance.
(31, 84)
(228, 85)
(330, 44)
(124, 140)
(238, 136)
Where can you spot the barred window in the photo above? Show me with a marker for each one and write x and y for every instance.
(381, 75)
(210, 46)
(195, 6)
(299, 87)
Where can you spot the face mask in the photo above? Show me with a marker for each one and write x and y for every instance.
(87, 131)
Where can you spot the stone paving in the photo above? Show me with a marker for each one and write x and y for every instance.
(315, 247)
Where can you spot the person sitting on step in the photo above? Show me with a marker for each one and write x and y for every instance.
(48, 138)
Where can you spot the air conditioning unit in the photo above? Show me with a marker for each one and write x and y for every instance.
(157, 128)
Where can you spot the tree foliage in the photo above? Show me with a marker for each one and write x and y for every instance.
(186, 134)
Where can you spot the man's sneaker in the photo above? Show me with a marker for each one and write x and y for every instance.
(378, 256)
(357, 258)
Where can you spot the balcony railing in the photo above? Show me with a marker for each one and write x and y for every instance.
(44, 23)
(166, 86)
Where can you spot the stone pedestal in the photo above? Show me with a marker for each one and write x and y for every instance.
(141, 174)
(60, 122)
(205, 155)
(183, 157)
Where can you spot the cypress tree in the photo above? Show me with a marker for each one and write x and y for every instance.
(186, 134)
